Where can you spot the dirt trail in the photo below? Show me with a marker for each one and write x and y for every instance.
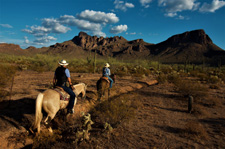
(161, 121)
(17, 114)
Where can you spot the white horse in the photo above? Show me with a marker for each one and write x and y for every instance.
(50, 101)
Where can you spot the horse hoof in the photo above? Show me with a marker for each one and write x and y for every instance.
(50, 130)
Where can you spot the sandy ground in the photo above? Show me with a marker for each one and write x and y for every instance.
(161, 121)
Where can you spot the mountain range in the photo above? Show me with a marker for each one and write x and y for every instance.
(192, 47)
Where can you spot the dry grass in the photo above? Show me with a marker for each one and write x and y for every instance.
(115, 111)
(46, 139)
(195, 131)
(190, 87)
(6, 75)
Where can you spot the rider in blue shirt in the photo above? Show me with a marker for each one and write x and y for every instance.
(106, 73)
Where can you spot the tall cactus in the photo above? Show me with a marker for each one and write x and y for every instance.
(94, 64)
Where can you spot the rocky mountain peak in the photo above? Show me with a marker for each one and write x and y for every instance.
(196, 36)
(90, 42)
(83, 35)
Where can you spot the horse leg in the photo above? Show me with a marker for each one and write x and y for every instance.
(108, 93)
(99, 95)
(39, 124)
(48, 121)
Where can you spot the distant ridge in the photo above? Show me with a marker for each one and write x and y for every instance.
(192, 47)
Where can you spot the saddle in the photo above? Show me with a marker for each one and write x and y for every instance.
(105, 78)
(63, 95)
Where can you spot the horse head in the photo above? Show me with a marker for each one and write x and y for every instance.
(80, 88)
(113, 76)
(84, 92)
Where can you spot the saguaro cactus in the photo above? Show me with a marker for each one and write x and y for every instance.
(94, 64)
(190, 103)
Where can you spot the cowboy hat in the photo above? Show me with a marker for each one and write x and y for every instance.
(63, 63)
(107, 65)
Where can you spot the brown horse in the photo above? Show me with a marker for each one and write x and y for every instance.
(103, 86)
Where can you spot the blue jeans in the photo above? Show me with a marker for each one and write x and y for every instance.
(111, 81)
(72, 96)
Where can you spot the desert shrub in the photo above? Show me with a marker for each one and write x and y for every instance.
(46, 139)
(81, 68)
(41, 63)
(195, 130)
(222, 76)
(6, 75)
(189, 87)
(213, 79)
(121, 71)
(154, 64)
(114, 112)
(162, 78)
(139, 71)
(173, 77)
(166, 69)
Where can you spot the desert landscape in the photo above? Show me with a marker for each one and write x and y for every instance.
(159, 116)
(148, 105)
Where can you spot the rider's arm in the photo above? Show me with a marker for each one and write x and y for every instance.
(54, 80)
(109, 72)
(69, 80)
(68, 76)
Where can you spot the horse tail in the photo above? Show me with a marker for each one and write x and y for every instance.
(38, 112)
(98, 84)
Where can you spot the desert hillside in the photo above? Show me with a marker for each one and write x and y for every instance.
(188, 47)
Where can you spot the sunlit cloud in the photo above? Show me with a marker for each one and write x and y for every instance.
(118, 29)
(215, 5)
(121, 5)
(98, 16)
(145, 3)
(172, 7)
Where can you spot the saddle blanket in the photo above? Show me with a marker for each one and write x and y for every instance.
(63, 95)
(105, 78)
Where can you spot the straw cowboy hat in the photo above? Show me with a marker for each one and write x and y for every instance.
(63, 63)
(107, 65)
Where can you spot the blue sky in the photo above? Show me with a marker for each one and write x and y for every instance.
(45, 22)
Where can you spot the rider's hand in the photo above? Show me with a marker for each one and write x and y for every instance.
(71, 86)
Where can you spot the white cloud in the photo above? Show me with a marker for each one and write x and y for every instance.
(44, 40)
(122, 5)
(174, 6)
(180, 17)
(129, 5)
(81, 24)
(6, 25)
(37, 30)
(54, 26)
(118, 29)
(98, 16)
(215, 5)
(26, 41)
(145, 3)
(87, 20)
(170, 14)
(99, 33)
